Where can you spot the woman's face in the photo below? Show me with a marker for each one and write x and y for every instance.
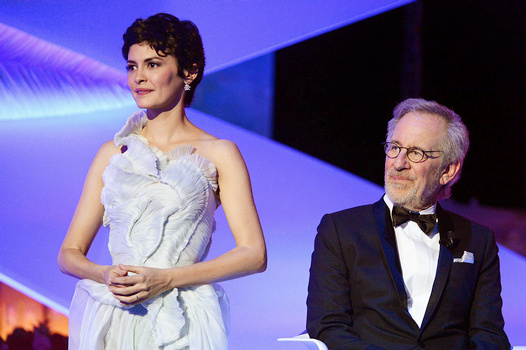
(153, 79)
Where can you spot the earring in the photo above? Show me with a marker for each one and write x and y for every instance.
(187, 86)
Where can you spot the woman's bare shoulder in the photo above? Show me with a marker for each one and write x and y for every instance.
(108, 149)
(105, 152)
(218, 148)
(223, 153)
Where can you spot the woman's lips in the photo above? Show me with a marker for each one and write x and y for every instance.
(142, 91)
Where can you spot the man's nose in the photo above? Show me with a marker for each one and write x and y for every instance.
(401, 161)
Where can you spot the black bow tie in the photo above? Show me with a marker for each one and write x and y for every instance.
(425, 222)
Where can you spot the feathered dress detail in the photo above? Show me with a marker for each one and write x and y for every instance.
(160, 211)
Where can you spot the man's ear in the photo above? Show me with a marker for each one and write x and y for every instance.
(450, 172)
(191, 74)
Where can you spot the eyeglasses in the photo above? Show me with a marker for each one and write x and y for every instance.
(414, 154)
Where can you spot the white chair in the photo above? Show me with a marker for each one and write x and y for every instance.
(311, 344)
(314, 344)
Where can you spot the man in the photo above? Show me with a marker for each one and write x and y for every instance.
(392, 275)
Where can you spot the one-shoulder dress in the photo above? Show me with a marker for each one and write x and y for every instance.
(160, 211)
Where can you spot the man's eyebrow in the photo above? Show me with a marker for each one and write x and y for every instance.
(399, 144)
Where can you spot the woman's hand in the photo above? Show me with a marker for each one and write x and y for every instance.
(113, 271)
(144, 283)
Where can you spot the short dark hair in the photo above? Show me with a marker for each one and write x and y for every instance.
(168, 35)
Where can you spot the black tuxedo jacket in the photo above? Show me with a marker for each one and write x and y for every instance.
(357, 298)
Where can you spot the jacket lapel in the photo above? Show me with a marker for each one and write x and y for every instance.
(445, 259)
(386, 234)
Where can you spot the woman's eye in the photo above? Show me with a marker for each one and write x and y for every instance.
(129, 68)
(152, 64)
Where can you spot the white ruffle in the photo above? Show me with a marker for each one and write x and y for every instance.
(160, 211)
(133, 127)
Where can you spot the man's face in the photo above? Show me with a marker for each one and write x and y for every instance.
(415, 186)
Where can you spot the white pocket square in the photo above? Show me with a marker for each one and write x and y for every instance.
(467, 258)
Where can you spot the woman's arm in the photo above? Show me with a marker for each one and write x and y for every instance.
(85, 224)
(249, 255)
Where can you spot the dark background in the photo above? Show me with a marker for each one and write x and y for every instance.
(335, 93)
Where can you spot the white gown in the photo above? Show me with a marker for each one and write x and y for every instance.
(160, 211)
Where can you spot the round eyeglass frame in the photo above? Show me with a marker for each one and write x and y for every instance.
(410, 152)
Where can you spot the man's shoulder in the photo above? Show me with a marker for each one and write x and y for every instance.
(459, 220)
(469, 233)
(360, 216)
(359, 210)
(366, 209)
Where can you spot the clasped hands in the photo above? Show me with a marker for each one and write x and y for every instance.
(142, 284)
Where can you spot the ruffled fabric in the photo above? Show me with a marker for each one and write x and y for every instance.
(160, 211)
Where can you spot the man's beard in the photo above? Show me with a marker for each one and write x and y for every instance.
(406, 195)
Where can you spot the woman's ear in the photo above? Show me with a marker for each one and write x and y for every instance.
(450, 172)
(191, 74)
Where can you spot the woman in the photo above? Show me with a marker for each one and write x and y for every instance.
(159, 182)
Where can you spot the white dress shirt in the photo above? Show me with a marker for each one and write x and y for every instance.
(418, 255)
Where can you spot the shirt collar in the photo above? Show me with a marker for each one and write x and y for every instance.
(390, 205)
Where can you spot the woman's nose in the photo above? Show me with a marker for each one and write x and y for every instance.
(139, 76)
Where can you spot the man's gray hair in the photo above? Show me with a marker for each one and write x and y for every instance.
(454, 145)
